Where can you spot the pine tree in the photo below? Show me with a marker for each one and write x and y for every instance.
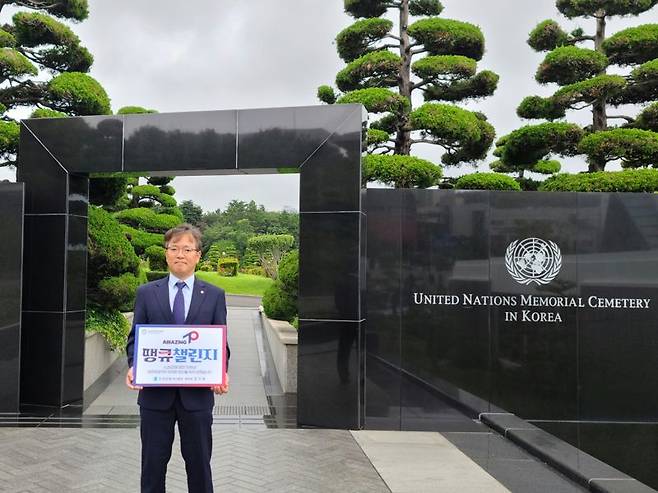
(43, 67)
(585, 84)
(431, 55)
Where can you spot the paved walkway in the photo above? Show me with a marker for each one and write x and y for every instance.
(44, 459)
(252, 453)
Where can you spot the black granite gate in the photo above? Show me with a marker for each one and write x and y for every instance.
(322, 143)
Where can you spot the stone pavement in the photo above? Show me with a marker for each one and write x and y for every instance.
(254, 451)
(40, 460)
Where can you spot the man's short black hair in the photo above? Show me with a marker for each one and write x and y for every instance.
(183, 229)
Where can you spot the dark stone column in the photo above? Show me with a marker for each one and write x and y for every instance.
(11, 257)
(332, 282)
(54, 277)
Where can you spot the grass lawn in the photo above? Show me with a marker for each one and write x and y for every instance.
(241, 284)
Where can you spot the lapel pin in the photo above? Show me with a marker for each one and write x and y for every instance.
(201, 291)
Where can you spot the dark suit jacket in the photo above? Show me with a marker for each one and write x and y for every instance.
(207, 307)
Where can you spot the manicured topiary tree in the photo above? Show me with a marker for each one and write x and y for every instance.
(270, 249)
(151, 211)
(43, 65)
(110, 255)
(112, 277)
(221, 248)
(250, 259)
(148, 210)
(387, 65)
(585, 84)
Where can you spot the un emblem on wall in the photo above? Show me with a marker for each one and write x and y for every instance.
(533, 260)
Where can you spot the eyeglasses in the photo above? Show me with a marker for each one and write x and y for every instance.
(185, 251)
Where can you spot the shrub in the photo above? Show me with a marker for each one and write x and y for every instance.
(111, 324)
(227, 266)
(487, 181)
(278, 304)
(205, 267)
(289, 272)
(154, 275)
(280, 299)
(156, 256)
(632, 180)
(254, 270)
(118, 292)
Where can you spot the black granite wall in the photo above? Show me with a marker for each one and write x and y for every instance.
(593, 363)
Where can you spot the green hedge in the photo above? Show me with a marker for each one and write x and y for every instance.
(487, 181)
(254, 270)
(280, 299)
(154, 275)
(632, 180)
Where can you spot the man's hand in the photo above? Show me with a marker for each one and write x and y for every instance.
(220, 389)
(129, 380)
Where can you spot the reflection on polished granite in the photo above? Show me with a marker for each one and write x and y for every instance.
(630, 447)
(509, 464)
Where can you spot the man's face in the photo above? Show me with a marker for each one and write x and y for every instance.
(182, 255)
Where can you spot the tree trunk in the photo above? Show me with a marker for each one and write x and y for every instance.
(403, 138)
(599, 116)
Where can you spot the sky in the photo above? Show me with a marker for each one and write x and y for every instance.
(214, 54)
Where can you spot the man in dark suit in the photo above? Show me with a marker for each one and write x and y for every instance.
(177, 299)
